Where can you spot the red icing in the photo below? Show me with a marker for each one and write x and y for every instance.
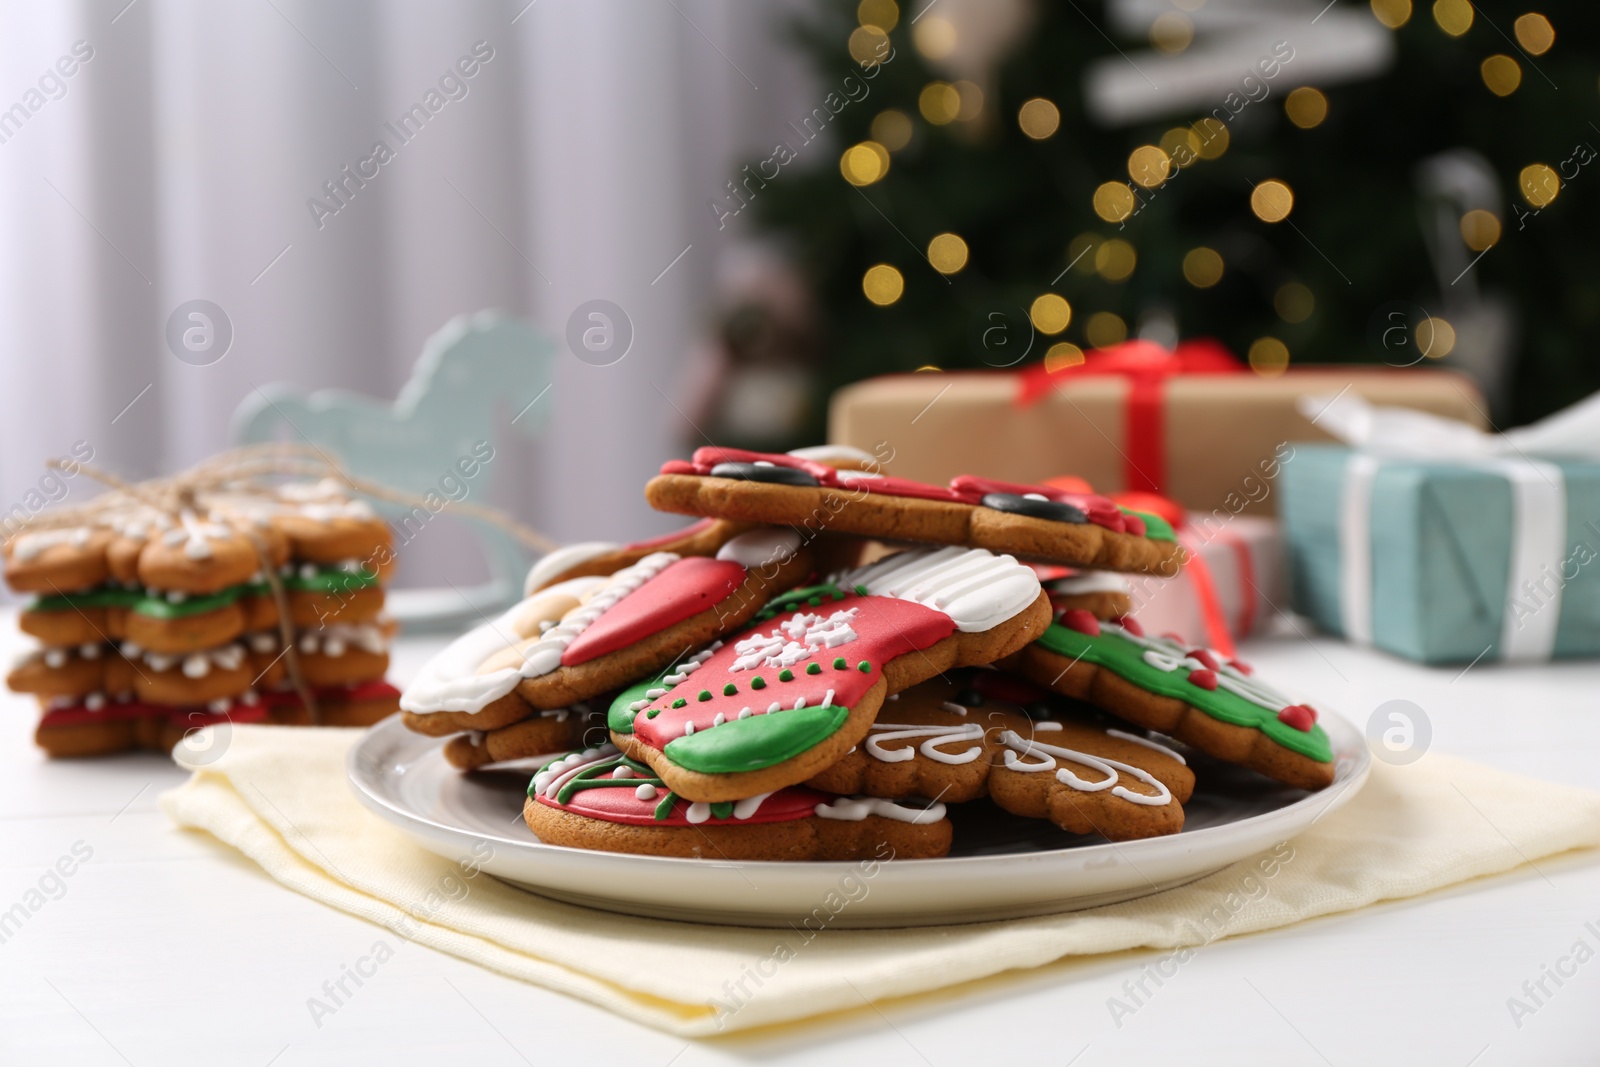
(965, 489)
(1082, 621)
(684, 589)
(1130, 624)
(1241, 666)
(621, 804)
(652, 543)
(1203, 679)
(885, 629)
(199, 715)
(1298, 716)
(1204, 656)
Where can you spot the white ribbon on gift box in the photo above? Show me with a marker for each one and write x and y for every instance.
(1538, 488)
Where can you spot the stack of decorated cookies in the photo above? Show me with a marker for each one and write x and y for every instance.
(832, 656)
(245, 604)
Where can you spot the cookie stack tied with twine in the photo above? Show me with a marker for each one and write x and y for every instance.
(824, 665)
(221, 594)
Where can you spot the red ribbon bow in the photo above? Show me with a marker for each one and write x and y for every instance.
(1147, 366)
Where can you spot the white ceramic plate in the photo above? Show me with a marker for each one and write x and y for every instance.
(1000, 866)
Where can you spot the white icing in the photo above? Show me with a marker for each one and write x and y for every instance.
(451, 680)
(953, 707)
(1165, 654)
(743, 809)
(1136, 739)
(854, 809)
(94, 701)
(1090, 582)
(550, 780)
(834, 454)
(758, 547)
(558, 714)
(977, 589)
(1047, 726)
(936, 736)
(335, 639)
(645, 792)
(563, 559)
(1047, 755)
(29, 545)
(475, 738)
(698, 812)
(55, 658)
(794, 640)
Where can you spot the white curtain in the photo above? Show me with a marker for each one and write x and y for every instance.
(176, 163)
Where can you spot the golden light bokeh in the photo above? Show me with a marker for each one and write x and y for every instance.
(1078, 256)
(1539, 184)
(1306, 107)
(864, 163)
(1113, 201)
(1202, 267)
(869, 45)
(1269, 357)
(939, 103)
(1171, 32)
(1480, 229)
(947, 253)
(1436, 338)
(1272, 201)
(1039, 118)
(1061, 355)
(1392, 13)
(1115, 260)
(1453, 16)
(1501, 74)
(884, 14)
(883, 285)
(892, 129)
(1105, 329)
(1182, 145)
(1148, 166)
(1534, 33)
(1050, 313)
(928, 367)
(1294, 302)
(935, 36)
(971, 100)
(1213, 138)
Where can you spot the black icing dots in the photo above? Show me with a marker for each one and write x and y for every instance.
(1034, 508)
(763, 472)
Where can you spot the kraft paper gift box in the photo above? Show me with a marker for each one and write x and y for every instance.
(1445, 545)
(1194, 424)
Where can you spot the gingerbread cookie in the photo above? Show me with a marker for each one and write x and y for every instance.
(573, 641)
(601, 799)
(1103, 595)
(982, 732)
(774, 705)
(1033, 521)
(1192, 694)
(547, 731)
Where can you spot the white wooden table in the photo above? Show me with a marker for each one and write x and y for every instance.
(166, 948)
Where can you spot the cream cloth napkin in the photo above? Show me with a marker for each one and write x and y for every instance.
(279, 795)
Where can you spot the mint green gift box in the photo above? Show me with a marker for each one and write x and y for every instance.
(1441, 556)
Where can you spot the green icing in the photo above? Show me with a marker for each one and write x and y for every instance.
(806, 596)
(619, 717)
(757, 742)
(1155, 527)
(1125, 659)
(327, 580)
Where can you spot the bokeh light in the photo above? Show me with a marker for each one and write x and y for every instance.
(1501, 74)
(1050, 313)
(948, 253)
(1104, 329)
(1039, 118)
(864, 163)
(1392, 13)
(1202, 267)
(1453, 16)
(1306, 107)
(935, 36)
(1539, 184)
(1115, 260)
(939, 103)
(1272, 201)
(1480, 229)
(1534, 33)
(1113, 201)
(1294, 302)
(883, 285)
(892, 129)
(1148, 166)
(884, 14)
(1436, 338)
(1061, 355)
(1269, 357)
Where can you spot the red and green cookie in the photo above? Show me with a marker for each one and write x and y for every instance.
(1193, 694)
(1034, 521)
(601, 799)
(776, 703)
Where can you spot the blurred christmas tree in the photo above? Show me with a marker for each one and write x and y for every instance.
(1378, 183)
